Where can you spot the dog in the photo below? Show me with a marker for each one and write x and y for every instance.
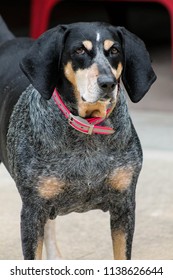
(66, 136)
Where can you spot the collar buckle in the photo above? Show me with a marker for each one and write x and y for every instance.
(80, 124)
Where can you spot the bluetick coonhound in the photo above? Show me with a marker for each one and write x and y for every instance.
(66, 136)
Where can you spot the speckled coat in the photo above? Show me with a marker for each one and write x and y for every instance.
(59, 170)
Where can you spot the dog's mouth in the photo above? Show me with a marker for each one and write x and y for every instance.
(95, 109)
(104, 99)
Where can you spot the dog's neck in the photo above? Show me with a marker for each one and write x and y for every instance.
(87, 125)
(46, 114)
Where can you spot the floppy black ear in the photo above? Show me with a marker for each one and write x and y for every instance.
(41, 64)
(138, 74)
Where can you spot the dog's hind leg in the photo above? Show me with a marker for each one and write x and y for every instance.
(52, 250)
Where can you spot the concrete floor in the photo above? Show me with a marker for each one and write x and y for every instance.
(87, 236)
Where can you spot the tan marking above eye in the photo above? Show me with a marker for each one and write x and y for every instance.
(108, 44)
(120, 179)
(88, 45)
(49, 187)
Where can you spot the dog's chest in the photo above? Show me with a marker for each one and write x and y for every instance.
(77, 181)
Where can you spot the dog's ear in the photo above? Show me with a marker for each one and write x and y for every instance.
(138, 74)
(42, 62)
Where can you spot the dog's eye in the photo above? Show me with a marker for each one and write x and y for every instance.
(80, 51)
(113, 51)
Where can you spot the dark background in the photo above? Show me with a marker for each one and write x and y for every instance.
(150, 21)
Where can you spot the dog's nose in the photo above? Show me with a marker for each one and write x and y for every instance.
(106, 83)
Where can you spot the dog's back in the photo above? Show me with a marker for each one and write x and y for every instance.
(11, 52)
(5, 34)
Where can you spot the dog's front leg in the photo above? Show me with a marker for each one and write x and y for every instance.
(122, 230)
(122, 183)
(32, 231)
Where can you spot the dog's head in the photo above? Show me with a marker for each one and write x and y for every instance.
(91, 58)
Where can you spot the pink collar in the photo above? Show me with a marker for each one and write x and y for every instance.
(88, 125)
